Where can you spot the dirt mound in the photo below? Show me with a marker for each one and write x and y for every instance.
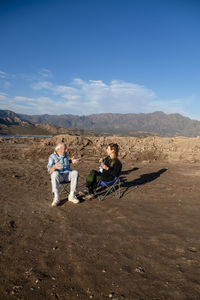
(135, 149)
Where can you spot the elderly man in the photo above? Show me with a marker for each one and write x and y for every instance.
(59, 169)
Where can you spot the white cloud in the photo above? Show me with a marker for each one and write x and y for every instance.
(29, 105)
(3, 96)
(4, 82)
(170, 106)
(23, 99)
(3, 75)
(46, 73)
(95, 96)
(41, 85)
(97, 83)
(82, 97)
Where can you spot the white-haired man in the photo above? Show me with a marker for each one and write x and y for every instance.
(59, 169)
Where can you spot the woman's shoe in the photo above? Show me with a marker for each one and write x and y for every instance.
(89, 197)
(83, 193)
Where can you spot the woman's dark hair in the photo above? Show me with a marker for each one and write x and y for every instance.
(114, 147)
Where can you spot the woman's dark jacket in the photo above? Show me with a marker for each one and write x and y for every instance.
(114, 170)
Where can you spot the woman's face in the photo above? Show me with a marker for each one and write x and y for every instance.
(109, 150)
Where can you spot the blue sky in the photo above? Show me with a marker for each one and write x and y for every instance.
(95, 56)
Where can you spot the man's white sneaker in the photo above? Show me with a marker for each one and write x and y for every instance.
(73, 199)
(55, 202)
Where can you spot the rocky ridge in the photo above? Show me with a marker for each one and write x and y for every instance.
(134, 149)
(138, 125)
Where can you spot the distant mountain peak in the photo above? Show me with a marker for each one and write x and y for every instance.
(156, 123)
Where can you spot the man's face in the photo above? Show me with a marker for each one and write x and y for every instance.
(62, 150)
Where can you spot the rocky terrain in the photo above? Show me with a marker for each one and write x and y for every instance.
(12, 125)
(142, 125)
(148, 149)
(135, 125)
(143, 246)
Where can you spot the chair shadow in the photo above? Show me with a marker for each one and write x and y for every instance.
(143, 179)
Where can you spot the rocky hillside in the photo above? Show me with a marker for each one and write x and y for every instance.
(138, 125)
(12, 124)
(156, 123)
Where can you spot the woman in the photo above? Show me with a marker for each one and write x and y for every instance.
(109, 169)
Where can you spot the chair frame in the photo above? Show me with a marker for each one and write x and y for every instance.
(109, 187)
(63, 187)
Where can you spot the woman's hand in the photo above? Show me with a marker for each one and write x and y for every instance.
(104, 167)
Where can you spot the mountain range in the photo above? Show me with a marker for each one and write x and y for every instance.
(156, 123)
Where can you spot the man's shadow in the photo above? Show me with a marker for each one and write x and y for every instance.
(143, 179)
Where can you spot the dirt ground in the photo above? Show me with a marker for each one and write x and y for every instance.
(145, 245)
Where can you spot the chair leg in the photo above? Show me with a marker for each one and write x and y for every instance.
(63, 188)
(101, 198)
(115, 188)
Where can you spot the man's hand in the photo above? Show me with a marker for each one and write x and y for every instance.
(57, 166)
(74, 160)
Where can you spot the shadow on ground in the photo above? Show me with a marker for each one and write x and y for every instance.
(143, 179)
(128, 171)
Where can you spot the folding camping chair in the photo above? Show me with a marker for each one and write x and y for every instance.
(105, 188)
(63, 187)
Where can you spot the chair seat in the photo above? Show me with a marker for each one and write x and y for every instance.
(64, 182)
(106, 183)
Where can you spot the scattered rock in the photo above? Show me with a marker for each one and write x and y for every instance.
(111, 295)
(192, 249)
(37, 280)
(140, 270)
(17, 287)
(15, 176)
(12, 224)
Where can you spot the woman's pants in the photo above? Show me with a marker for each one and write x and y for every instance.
(92, 179)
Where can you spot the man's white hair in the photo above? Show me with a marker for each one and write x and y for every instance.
(58, 146)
